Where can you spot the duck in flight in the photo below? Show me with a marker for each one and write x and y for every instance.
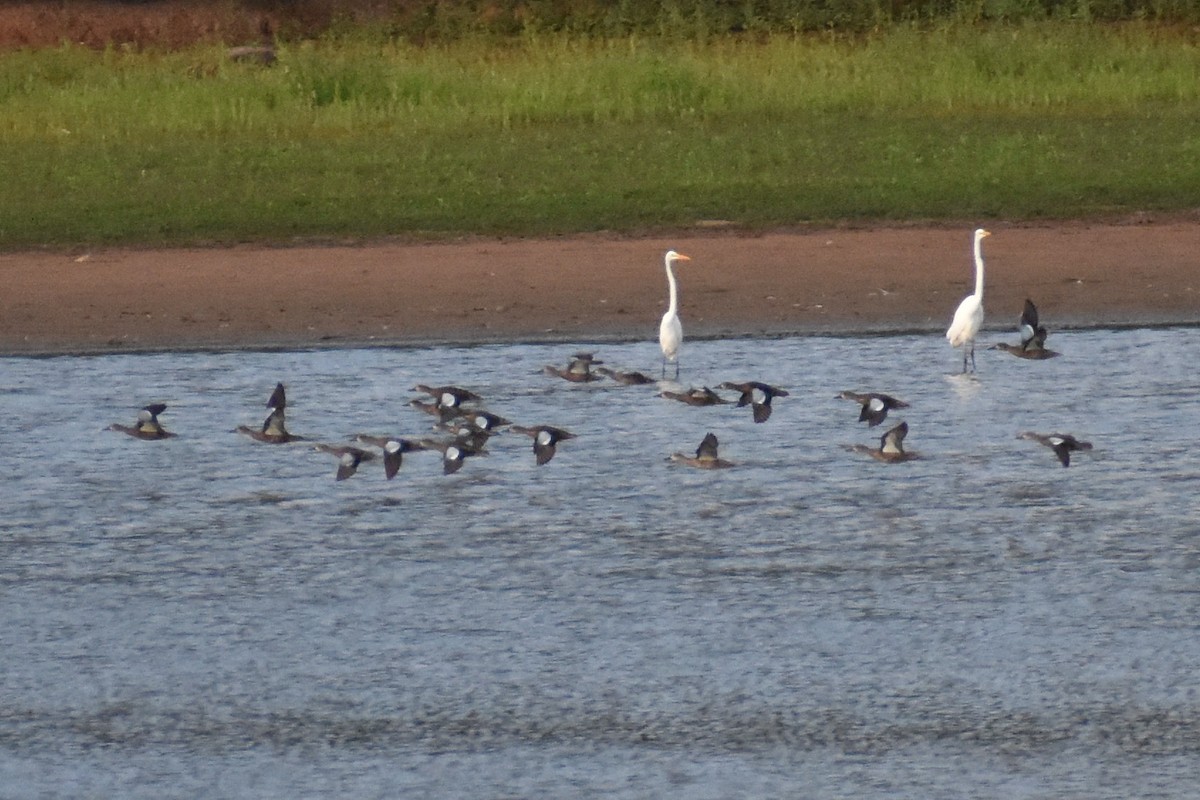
(706, 455)
(394, 448)
(348, 458)
(448, 396)
(1063, 444)
(703, 396)
(579, 369)
(891, 446)
(756, 395)
(545, 440)
(147, 425)
(273, 430)
(484, 421)
(1033, 337)
(631, 378)
(454, 452)
(875, 406)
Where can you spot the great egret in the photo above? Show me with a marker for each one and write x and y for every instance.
(706, 455)
(147, 425)
(1061, 443)
(545, 440)
(969, 316)
(757, 395)
(670, 330)
(875, 406)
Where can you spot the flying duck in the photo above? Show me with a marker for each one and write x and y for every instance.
(1033, 337)
(1061, 443)
(706, 455)
(703, 396)
(545, 440)
(891, 446)
(273, 430)
(757, 395)
(484, 421)
(632, 378)
(469, 436)
(435, 409)
(453, 452)
(448, 396)
(348, 458)
(1032, 353)
(579, 371)
(147, 425)
(394, 448)
(875, 406)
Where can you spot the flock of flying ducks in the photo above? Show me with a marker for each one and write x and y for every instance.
(466, 426)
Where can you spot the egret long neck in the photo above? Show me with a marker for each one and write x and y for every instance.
(979, 267)
(673, 307)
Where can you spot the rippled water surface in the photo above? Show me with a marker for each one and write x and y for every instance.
(208, 615)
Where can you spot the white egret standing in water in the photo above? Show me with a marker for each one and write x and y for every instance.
(670, 330)
(969, 316)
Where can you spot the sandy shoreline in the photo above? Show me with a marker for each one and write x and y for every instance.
(594, 287)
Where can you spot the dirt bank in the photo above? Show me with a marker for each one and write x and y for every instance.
(594, 287)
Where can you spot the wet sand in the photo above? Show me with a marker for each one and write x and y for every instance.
(595, 287)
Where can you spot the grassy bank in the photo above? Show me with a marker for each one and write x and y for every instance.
(356, 136)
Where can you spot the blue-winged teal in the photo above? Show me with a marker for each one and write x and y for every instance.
(579, 369)
(756, 395)
(273, 430)
(348, 458)
(484, 421)
(1033, 337)
(1061, 443)
(632, 378)
(706, 455)
(891, 446)
(448, 396)
(442, 413)
(545, 440)
(394, 448)
(875, 406)
(454, 452)
(147, 425)
(703, 396)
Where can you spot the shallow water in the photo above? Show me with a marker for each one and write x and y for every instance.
(211, 615)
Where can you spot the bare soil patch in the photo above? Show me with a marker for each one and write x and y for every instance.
(594, 288)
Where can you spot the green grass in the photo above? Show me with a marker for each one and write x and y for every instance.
(555, 134)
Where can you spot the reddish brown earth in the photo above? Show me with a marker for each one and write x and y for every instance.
(595, 287)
